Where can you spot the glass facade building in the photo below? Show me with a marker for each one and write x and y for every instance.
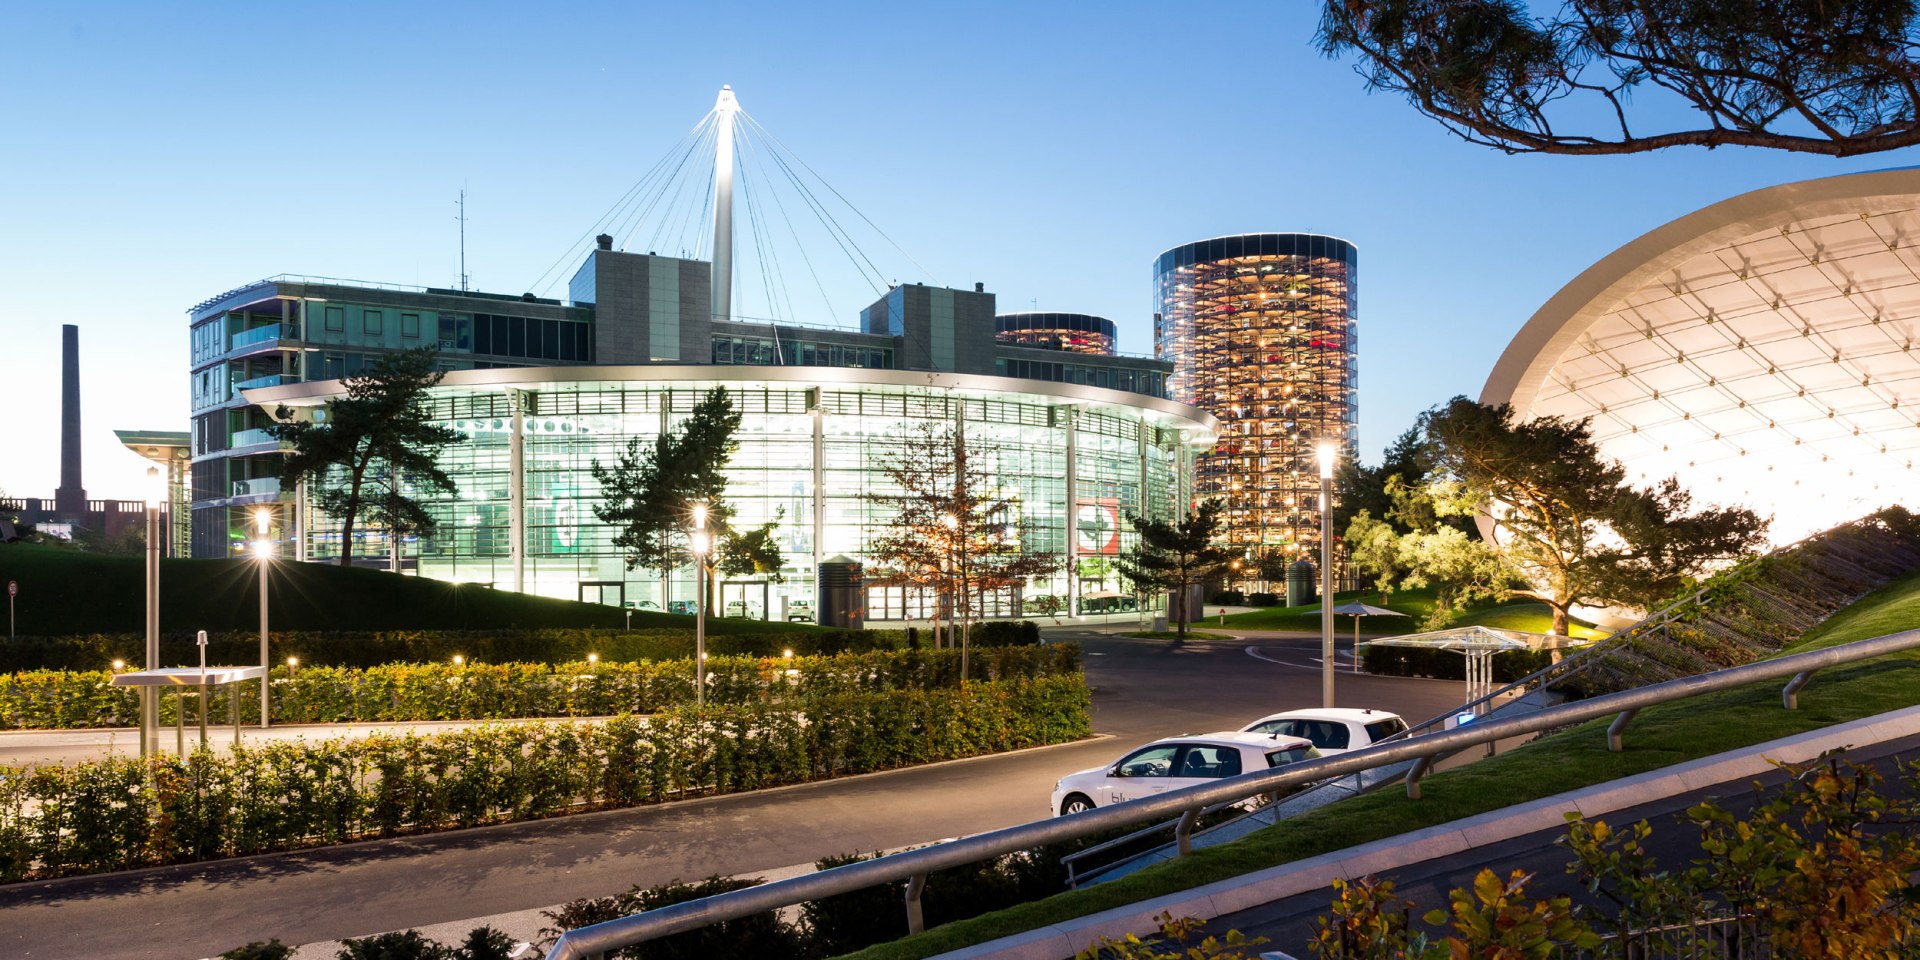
(1077, 460)
(1262, 331)
(1071, 332)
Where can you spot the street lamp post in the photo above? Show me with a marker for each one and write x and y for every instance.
(149, 698)
(1326, 452)
(954, 594)
(262, 555)
(698, 540)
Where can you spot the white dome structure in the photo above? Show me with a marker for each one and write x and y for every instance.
(1762, 349)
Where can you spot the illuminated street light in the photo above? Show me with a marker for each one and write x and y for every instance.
(1327, 452)
(263, 553)
(699, 542)
(149, 699)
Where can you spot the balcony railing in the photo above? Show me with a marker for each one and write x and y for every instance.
(258, 486)
(248, 338)
(270, 380)
(248, 438)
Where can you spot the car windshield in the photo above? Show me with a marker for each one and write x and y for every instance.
(1154, 761)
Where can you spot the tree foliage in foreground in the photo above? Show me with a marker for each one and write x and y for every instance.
(951, 529)
(1176, 556)
(648, 493)
(1565, 517)
(375, 451)
(1834, 77)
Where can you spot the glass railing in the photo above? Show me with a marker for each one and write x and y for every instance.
(247, 438)
(256, 335)
(270, 380)
(259, 486)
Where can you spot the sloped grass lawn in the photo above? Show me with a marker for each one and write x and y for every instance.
(1518, 614)
(1659, 736)
(66, 592)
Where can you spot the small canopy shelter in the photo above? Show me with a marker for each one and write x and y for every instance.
(1478, 644)
(1356, 610)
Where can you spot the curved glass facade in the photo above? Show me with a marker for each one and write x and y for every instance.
(1078, 460)
(1072, 332)
(1262, 332)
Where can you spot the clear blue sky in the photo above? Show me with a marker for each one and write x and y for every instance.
(158, 154)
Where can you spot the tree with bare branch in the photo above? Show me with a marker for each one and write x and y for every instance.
(1833, 77)
(951, 528)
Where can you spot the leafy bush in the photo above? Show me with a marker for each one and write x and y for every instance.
(1228, 598)
(1005, 633)
(402, 945)
(760, 935)
(492, 691)
(99, 815)
(1447, 665)
(259, 950)
(1262, 599)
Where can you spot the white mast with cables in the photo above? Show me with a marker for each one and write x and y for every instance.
(724, 109)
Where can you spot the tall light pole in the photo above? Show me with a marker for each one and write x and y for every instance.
(262, 555)
(1326, 452)
(149, 698)
(952, 524)
(698, 540)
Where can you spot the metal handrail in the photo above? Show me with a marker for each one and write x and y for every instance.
(586, 943)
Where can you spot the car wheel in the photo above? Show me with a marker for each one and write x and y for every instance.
(1075, 803)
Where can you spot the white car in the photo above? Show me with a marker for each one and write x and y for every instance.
(1174, 763)
(1332, 729)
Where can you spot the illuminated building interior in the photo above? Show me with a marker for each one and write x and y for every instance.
(1760, 349)
(1261, 330)
(1072, 332)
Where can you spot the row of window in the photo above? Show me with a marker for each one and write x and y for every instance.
(801, 353)
(1153, 383)
(532, 337)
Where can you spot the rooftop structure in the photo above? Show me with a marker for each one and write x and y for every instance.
(1761, 349)
(1071, 332)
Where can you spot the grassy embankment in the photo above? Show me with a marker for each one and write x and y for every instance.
(1660, 736)
(66, 592)
(1531, 616)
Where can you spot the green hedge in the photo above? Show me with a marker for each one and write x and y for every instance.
(95, 651)
(118, 813)
(45, 699)
(1447, 665)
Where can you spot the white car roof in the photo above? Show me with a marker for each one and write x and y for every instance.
(1238, 738)
(1347, 714)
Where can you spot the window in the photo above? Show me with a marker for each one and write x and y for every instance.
(337, 319)
(447, 334)
(1150, 762)
(1209, 762)
(372, 323)
(1280, 758)
(410, 326)
(1324, 733)
(1381, 729)
(516, 337)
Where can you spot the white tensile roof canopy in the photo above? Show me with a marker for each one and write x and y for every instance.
(1762, 349)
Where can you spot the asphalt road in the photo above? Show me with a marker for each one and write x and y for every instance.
(1142, 690)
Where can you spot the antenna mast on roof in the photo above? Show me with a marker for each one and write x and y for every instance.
(463, 239)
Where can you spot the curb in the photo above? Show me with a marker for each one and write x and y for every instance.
(1392, 853)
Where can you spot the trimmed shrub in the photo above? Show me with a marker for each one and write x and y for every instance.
(760, 935)
(1228, 598)
(1263, 600)
(98, 815)
(45, 699)
(1447, 665)
(259, 950)
(1004, 633)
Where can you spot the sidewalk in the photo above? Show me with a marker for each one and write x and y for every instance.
(36, 747)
